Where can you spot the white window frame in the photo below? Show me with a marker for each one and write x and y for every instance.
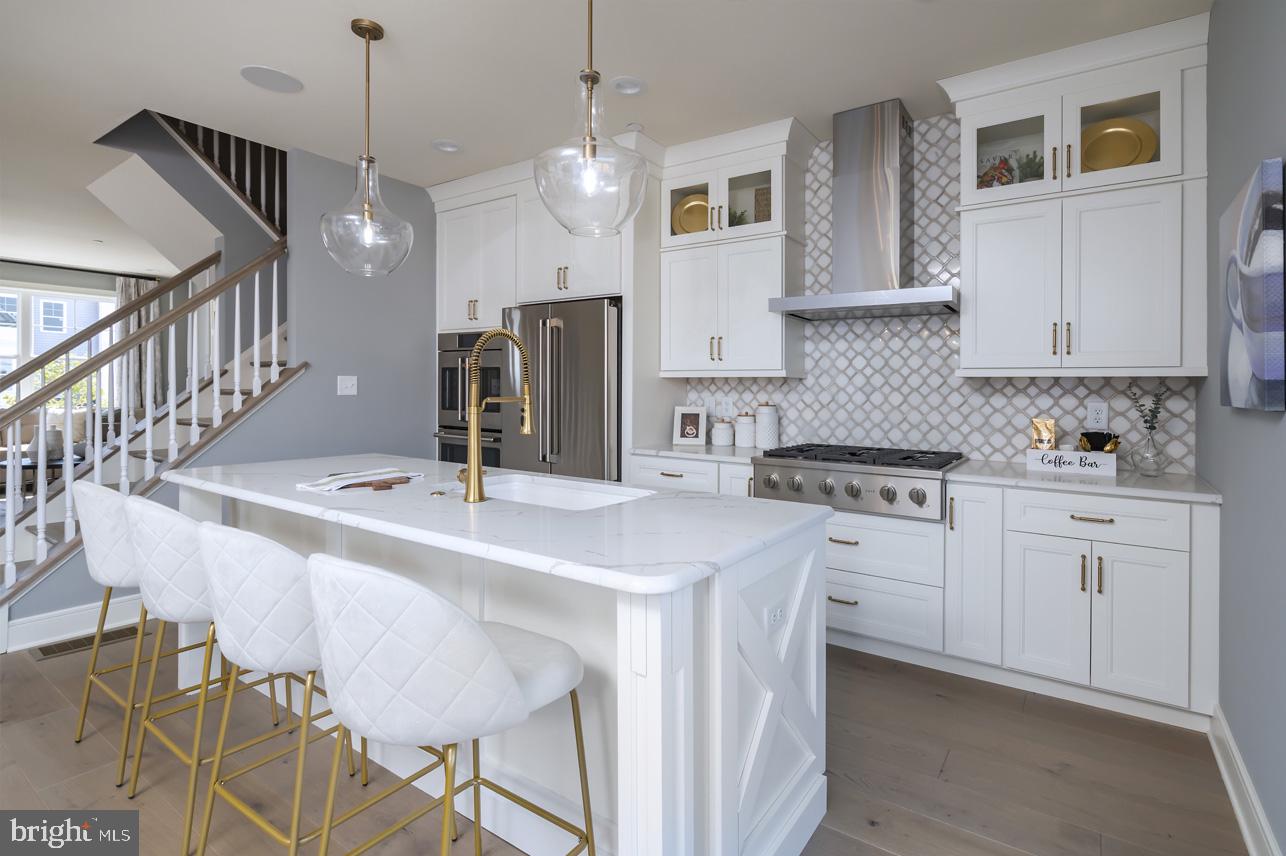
(17, 306)
(41, 303)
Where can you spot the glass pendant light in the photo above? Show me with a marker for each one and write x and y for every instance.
(591, 185)
(364, 237)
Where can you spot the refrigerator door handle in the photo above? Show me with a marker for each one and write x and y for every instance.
(460, 388)
(542, 381)
(555, 373)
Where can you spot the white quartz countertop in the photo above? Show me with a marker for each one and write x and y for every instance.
(1173, 487)
(718, 454)
(658, 543)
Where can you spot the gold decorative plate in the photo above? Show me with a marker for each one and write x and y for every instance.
(692, 214)
(1115, 143)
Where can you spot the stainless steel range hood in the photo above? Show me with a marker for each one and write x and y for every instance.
(873, 224)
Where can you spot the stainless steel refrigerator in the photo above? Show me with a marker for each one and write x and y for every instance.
(575, 350)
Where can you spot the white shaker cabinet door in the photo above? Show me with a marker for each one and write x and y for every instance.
(974, 581)
(543, 250)
(689, 309)
(1047, 606)
(1123, 278)
(749, 337)
(1140, 626)
(1010, 296)
(499, 261)
(477, 264)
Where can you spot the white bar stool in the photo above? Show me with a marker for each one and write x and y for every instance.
(109, 555)
(407, 667)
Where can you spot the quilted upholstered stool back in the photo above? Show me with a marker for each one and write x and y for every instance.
(109, 552)
(172, 580)
(263, 613)
(403, 665)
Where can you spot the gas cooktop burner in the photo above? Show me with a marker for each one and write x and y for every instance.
(867, 455)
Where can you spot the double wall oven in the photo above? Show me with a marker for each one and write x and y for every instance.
(453, 397)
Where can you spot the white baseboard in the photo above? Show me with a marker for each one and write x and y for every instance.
(1260, 840)
(69, 623)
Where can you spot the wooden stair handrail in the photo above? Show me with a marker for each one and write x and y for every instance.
(35, 364)
(139, 336)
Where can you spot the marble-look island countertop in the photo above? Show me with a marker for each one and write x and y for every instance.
(657, 543)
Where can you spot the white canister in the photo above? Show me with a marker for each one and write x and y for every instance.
(745, 429)
(721, 432)
(767, 426)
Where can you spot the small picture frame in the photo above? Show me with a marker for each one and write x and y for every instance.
(689, 426)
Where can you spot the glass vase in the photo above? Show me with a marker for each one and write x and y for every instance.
(1148, 459)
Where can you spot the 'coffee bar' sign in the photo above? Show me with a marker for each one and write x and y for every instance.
(1071, 463)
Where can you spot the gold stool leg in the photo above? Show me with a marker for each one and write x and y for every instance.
(272, 700)
(133, 685)
(147, 707)
(477, 799)
(448, 798)
(93, 663)
(352, 767)
(584, 777)
(366, 779)
(328, 815)
(297, 807)
(290, 700)
(195, 767)
(217, 761)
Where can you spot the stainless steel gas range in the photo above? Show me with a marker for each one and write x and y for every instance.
(865, 479)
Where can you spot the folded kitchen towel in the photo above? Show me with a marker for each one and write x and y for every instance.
(341, 480)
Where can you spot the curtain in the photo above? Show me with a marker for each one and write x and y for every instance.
(129, 288)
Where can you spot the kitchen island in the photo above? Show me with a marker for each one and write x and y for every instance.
(699, 617)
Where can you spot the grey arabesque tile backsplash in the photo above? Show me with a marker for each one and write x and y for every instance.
(892, 381)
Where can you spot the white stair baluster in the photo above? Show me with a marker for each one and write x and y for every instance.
(194, 430)
(69, 465)
(12, 480)
(172, 394)
(149, 407)
(236, 350)
(216, 414)
(256, 384)
(127, 419)
(275, 372)
(96, 436)
(111, 392)
(42, 489)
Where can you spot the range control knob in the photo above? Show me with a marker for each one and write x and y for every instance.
(917, 495)
(795, 483)
(853, 489)
(889, 493)
(771, 481)
(826, 486)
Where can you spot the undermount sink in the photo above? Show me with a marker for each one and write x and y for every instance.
(559, 493)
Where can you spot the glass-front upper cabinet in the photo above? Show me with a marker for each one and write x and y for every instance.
(688, 209)
(1128, 131)
(749, 199)
(1011, 152)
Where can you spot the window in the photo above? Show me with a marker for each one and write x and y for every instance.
(53, 316)
(7, 364)
(8, 310)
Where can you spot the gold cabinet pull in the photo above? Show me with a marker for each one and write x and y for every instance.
(1053, 163)
(1069, 160)
(1067, 338)
(710, 217)
(720, 348)
(750, 486)
(1087, 518)
(671, 475)
(1083, 571)
(718, 218)
(712, 349)
(951, 513)
(833, 599)
(844, 541)
(1100, 574)
(1053, 339)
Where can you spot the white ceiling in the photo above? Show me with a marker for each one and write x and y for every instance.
(496, 75)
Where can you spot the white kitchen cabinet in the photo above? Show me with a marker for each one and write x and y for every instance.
(714, 310)
(557, 266)
(736, 479)
(973, 587)
(476, 264)
(1010, 304)
(1139, 631)
(880, 608)
(717, 203)
(668, 472)
(1047, 606)
(1010, 152)
(1122, 282)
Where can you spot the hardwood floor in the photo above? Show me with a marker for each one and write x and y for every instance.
(920, 763)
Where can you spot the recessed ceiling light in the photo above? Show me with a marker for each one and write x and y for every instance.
(634, 126)
(625, 84)
(98, 240)
(271, 79)
(445, 145)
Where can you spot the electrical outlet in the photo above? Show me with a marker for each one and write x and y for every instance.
(346, 385)
(1096, 415)
(774, 615)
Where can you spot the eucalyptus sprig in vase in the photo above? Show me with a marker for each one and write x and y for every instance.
(1147, 458)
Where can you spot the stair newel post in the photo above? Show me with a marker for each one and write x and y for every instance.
(216, 337)
(256, 383)
(12, 479)
(42, 467)
(236, 349)
(275, 372)
(149, 405)
(172, 393)
(69, 461)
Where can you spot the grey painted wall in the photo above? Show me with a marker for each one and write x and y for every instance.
(381, 330)
(1242, 452)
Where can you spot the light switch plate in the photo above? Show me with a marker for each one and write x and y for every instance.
(346, 385)
(1096, 415)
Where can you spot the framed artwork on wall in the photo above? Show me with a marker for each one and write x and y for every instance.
(1252, 259)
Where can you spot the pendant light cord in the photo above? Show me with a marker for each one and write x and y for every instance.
(366, 152)
(589, 75)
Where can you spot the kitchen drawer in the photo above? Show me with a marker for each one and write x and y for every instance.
(675, 473)
(1141, 522)
(912, 551)
(900, 612)
(736, 479)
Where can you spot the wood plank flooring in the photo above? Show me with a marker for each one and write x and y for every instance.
(920, 763)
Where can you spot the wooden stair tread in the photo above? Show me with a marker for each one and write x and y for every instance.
(157, 455)
(267, 364)
(201, 421)
(234, 392)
